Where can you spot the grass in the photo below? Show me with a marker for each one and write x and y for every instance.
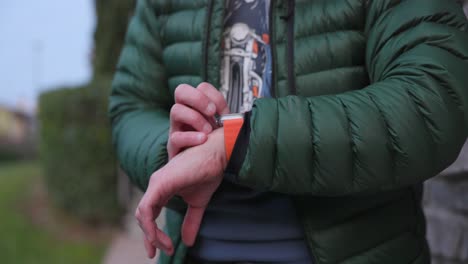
(26, 242)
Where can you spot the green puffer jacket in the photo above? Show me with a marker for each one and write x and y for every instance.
(371, 99)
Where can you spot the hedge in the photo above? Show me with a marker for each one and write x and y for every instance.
(76, 151)
(15, 152)
(8, 153)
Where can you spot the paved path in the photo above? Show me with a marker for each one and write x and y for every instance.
(126, 250)
(127, 247)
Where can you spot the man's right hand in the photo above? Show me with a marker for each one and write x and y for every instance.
(194, 175)
(192, 116)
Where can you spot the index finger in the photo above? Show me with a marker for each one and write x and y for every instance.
(146, 218)
(187, 95)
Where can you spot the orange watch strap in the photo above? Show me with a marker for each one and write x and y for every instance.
(231, 131)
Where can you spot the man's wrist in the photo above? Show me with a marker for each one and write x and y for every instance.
(218, 136)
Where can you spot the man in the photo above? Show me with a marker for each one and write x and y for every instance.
(347, 107)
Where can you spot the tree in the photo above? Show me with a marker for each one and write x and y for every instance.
(112, 22)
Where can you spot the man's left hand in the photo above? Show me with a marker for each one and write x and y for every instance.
(191, 114)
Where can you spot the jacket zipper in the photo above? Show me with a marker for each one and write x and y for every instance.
(272, 48)
(290, 47)
(206, 40)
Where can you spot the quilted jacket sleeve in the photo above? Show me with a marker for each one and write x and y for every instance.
(139, 102)
(405, 127)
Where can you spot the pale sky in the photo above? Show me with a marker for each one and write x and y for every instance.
(43, 45)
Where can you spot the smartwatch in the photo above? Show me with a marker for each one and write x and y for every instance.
(232, 124)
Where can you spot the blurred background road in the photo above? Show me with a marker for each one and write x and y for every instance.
(62, 197)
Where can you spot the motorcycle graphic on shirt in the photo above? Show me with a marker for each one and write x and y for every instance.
(246, 60)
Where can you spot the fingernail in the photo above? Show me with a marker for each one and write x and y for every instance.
(150, 238)
(166, 243)
(207, 128)
(211, 109)
(200, 137)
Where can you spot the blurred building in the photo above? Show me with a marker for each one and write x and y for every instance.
(15, 126)
(446, 209)
(17, 132)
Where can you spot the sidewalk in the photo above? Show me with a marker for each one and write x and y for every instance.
(127, 247)
(126, 250)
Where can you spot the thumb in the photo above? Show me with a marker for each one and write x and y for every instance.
(191, 225)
